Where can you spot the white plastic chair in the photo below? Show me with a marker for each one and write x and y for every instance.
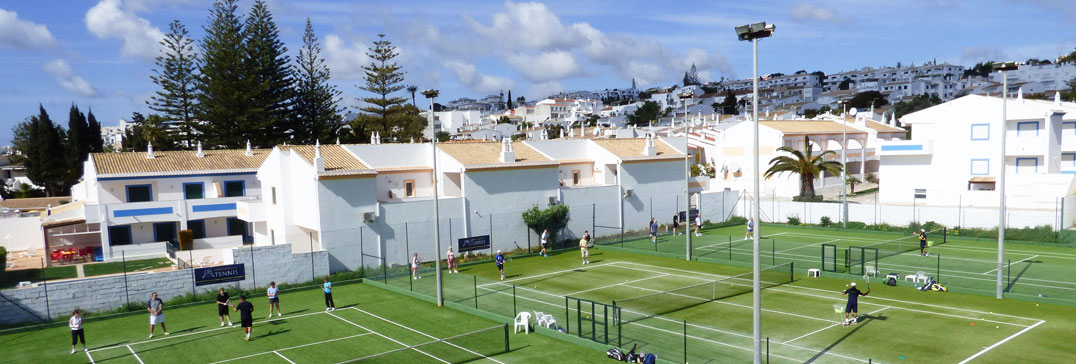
(871, 270)
(921, 277)
(546, 320)
(523, 319)
(838, 313)
(912, 277)
(539, 318)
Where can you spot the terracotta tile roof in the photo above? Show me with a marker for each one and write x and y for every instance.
(486, 154)
(633, 148)
(176, 162)
(807, 127)
(336, 157)
(34, 203)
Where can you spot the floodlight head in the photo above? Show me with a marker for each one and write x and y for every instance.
(754, 31)
(687, 94)
(1006, 66)
(853, 111)
(430, 93)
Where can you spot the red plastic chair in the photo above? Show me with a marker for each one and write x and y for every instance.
(56, 255)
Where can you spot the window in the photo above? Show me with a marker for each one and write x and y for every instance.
(575, 177)
(139, 193)
(1027, 165)
(980, 131)
(980, 167)
(193, 190)
(274, 194)
(119, 235)
(409, 188)
(164, 231)
(234, 189)
(1027, 128)
(197, 227)
(237, 227)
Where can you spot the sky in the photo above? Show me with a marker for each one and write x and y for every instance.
(99, 54)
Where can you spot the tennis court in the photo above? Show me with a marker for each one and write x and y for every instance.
(693, 315)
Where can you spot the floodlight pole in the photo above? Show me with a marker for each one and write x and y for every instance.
(1005, 67)
(687, 183)
(432, 94)
(844, 170)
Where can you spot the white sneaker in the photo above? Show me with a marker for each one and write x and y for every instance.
(72, 351)
(221, 324)
(166, 333)
(277, 315)
(332, 309)
(85, 349)
(326, 309)
(230, 324)
(150, 336)
(270, 315)
(455, 271)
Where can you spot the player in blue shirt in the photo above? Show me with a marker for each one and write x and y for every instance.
(653, 230)
(499, 259)
(328, 288)
(853, 303)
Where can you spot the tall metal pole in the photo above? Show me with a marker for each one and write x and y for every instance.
(687, 184)
(844, 171)
(1001, 181)
(756, 281)
(436, 205)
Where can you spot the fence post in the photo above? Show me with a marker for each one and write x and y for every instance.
(773, 252)
(362, 256)
(514, 312)
(490, 233)
(310, 237)
(594, 219)
(253, 276)
(567, 320)
(475, 292)
(126, 292)
(730, 247)
(45, 282)
(685, 341)
(767, 350)
(1008, 277)
(939, 267)
(190, 253)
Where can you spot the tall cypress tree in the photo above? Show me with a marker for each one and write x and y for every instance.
(78, 144)
(269, 70)
(383, 78)
(97, 141)
(174, 76)
(509, 100)
(316, 110)
(45, 162)
(223, 90)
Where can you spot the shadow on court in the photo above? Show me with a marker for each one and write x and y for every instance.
(1013, 280)
(863, 321)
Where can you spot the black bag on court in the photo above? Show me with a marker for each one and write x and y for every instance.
(616, 354)
(892, 282)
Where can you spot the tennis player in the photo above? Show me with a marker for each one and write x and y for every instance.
(852, 307)
(499, 259)
(223, 301)
(698, 224)
(583, 250)
(676, 225)
(922, 242)
(545, 243)
(75, 323)
(653, 230)
(750, 228)
(156, 314)
(414, 267)
(246, 315)
(274, 299)
(452, 261)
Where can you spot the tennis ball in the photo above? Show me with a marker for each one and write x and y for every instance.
(997, 327)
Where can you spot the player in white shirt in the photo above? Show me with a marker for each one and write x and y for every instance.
(414, 267)
(75, 323)
(545, 243)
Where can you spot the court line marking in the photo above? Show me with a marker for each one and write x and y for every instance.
(389, 338)
(733, 304)
(708, 328)
(203, 331)
(294, 347)
(541, 275)
(833, 325)
(90, 356)
(135, 354)
(838, 298)
(1010, 264)
(954, 247)
(426, 335)
(283, 357)
(615, 284)
(704, 247)
(970, 358)
(804, 246)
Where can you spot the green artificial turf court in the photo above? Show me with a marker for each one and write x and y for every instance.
(370, 325)
(898, 324)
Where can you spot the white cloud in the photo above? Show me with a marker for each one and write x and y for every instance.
(808, 12)
(111, 19)
(344, 59)
(526, 26)
(21, 34)
(548, 66)
(61, 72)
(470, 77)
(981, 54)
(544, 89)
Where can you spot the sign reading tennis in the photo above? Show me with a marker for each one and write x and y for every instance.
(474, 243)
(219, 274)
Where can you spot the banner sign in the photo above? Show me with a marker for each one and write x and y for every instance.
(474, 243)
(219, 274)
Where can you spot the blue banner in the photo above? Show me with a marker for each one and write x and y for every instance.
(219, 274)
(474, 243)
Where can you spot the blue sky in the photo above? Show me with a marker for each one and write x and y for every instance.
(99, 53)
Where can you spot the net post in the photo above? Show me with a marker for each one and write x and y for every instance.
(730, 247)
(593, 323)
(126, 292)
(506, 347)
(792, 271)
(567, 318)
(773, 252)
(578, 318)
(767, 350)
(619, 336)
(685, 341)
(939, 267)
(475, 292)
(514, 312)
(605, 322)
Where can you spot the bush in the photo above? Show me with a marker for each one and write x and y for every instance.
(3, 260)
(825, 221)
(186, 240)
(793, 220)
(554, 218)
(856, 225)
(736, 220)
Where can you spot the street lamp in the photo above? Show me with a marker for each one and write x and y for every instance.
(1004, 68)
(432, 94)
(752, 33)
(687, 175)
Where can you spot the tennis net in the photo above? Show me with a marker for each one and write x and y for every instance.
(663, 302)
(462, 348)
(904, 244)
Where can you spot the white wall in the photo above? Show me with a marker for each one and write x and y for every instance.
(394, 181)
(171, 188)
(24, 232)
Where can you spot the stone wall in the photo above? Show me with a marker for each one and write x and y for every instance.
(271, 263)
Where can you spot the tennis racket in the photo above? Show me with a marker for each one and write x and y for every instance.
(867, 279)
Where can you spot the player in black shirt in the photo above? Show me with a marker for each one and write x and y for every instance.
(853, 303)
(246, 314)
(222, 307)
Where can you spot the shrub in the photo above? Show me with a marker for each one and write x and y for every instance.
(736, 220)
(793, 220)
(3, 260)
(825, 221)
(554, 218)
(856, 225)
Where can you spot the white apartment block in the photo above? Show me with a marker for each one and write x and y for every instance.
(1041, 78)
(952, 156)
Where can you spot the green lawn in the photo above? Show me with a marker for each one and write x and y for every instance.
(899, 323)
(11, 278)
(369, 323)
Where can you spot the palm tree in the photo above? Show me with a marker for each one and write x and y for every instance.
(806, 165)
(412, 89)
(852, 181)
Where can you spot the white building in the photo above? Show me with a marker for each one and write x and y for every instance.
(1042, 78)
(952, 157)
(113, 135)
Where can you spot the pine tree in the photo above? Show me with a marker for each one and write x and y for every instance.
(78, 145)
(152, 129)
(45, 162)
(383, 78)
(315, 98)
(223, 90)
(271, 76)
(174, 75)
(691, 77)
(97, 141)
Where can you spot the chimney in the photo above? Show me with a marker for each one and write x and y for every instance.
(249, 152)
(507, 154)
(893, 118)
(562, 133)
(337, 140)
(1020, 94)
(1057, 98)
(319, 162)
(149, 151)
(649, 149)
(199, 153)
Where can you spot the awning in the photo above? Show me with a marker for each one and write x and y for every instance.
(981, 180)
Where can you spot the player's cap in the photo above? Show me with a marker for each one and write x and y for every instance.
(922, 230)
(498, 252)
(853, 284)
